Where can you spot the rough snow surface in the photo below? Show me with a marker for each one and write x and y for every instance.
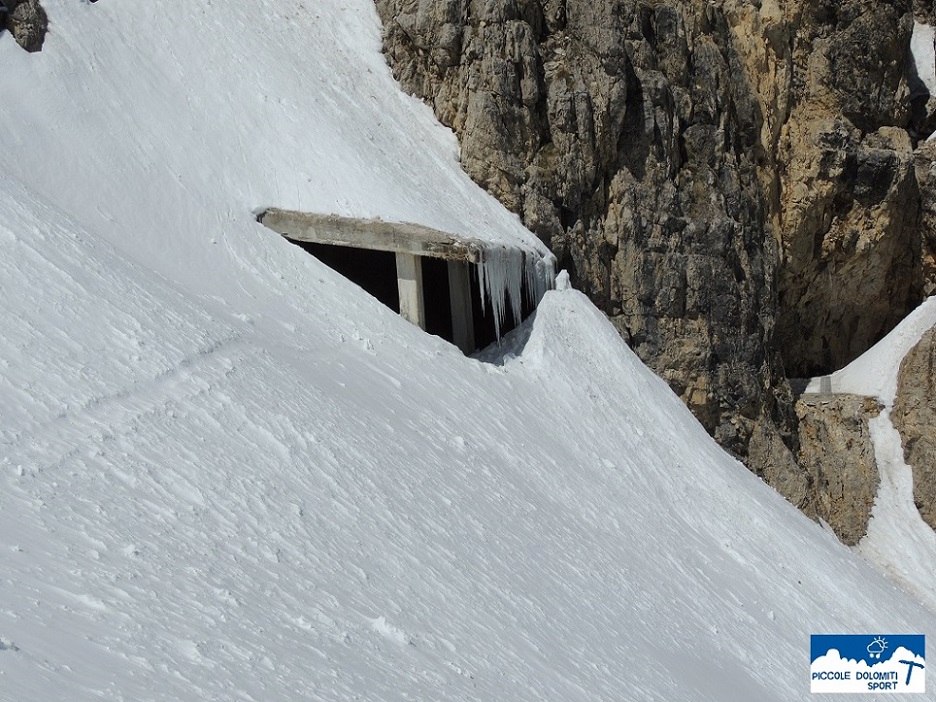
(226, 473)
(222, 108)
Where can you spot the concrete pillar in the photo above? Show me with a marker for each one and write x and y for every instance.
(460, 300)
(410, 286)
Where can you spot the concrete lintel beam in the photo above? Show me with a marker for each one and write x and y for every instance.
(375, 234)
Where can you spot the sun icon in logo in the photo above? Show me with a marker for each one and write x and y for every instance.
(876, 647)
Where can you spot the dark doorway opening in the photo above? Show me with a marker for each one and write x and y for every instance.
(376, 272)
(437, 298)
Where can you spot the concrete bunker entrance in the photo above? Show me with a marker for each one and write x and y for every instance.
(431, 278)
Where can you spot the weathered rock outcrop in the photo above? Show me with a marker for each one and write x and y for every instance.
(914, 415)
(925, 160)
(836, 450)
(923, 11)
(727, 180)
(27, 22)
(849, 199)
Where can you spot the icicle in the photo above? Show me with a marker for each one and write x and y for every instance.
(502, 273)
(540, 276)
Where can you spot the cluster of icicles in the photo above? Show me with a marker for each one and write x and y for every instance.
(502, 273)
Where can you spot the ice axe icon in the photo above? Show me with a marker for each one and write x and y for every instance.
(910, 666)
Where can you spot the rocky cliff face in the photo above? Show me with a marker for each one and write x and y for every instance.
(914, 415)
(925, 161)
(730, 181)
(27, 22)
(849, 202)
(838, 456)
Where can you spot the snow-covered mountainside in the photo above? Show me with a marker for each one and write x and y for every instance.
(227, 473)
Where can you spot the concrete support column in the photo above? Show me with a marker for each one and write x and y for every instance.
(460, 300)
(410, 286)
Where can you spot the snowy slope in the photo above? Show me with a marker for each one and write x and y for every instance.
(213, 113)
(227, 473)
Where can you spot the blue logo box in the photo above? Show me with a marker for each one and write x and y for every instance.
(876, 663)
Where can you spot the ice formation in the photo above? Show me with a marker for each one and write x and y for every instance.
(502, 272)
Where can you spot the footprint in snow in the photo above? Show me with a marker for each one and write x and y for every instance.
(7, 645)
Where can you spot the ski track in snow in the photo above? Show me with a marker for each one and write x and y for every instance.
(228, 474)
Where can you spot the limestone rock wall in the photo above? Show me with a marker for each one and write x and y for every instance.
(925, 161)
(838, 455)
(27, 22)
(923, 11)
(731, 181)
(849, 202)
(914, 415)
